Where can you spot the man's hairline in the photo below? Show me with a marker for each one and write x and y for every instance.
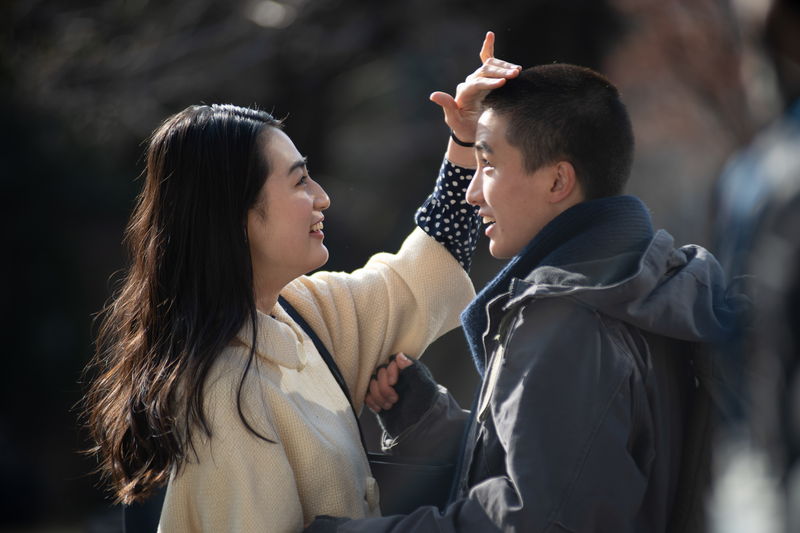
(506, 114)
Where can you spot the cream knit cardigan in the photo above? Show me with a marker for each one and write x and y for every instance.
(238, 482)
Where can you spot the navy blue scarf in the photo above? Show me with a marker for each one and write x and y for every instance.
(587, 231)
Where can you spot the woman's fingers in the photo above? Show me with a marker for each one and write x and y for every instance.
(456, 118)
(499, 63)
(392, 372)
(375, 399)
(478, 86)
(371, 404)
(446, 102)
(381, 394)
(488, 76)
(487, 50)
(495, 69)
(403, 361)
(387, 393)
(487, 53)
(461, 111)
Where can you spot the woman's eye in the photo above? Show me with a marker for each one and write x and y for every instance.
(303, 180)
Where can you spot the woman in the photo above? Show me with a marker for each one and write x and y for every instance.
(203, 379)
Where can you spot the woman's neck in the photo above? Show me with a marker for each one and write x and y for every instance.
(266, 294)
(266, 303)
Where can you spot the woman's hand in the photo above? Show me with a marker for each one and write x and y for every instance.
(381, 393)
(462, 111)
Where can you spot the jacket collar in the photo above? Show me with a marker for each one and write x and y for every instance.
(604, 237)
(278, 339)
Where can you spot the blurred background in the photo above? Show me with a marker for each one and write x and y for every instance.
(82, 84)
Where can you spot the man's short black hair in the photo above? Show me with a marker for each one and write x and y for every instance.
(565, 112)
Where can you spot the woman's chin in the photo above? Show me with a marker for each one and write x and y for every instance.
(323, 258)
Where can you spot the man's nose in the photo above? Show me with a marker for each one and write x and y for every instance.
(474, 195)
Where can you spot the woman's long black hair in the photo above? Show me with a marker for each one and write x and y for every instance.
(187, 293)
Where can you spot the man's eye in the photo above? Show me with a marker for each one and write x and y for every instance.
(303, 180)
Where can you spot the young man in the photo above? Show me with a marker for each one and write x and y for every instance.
(583, 340)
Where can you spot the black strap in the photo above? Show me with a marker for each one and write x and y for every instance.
(326, 356)
(694, 476)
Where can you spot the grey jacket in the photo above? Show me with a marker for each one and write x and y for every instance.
(581, 416)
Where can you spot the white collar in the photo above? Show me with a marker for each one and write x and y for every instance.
(278, 339)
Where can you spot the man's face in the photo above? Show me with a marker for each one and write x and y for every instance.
(512, 201)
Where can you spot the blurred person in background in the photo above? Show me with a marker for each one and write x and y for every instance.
(204, 381)
(757, 230)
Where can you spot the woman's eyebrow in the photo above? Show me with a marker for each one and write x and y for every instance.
(300, 163)
(482, 147)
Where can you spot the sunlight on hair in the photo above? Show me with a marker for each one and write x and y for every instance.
(271, 14)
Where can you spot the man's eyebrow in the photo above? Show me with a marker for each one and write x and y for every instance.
(300, 163)
(483, 147)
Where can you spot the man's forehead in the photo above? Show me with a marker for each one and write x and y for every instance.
(491, 128)
(486, 117)
(491, 122)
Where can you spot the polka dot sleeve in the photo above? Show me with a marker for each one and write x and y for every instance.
(447, 217)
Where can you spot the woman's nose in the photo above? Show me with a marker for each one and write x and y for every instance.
(321, 199)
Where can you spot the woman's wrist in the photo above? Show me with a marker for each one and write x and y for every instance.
(460, 142)
(461, 156)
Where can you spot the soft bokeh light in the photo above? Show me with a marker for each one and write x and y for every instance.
(271, 14)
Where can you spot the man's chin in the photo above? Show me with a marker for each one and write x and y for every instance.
(498, 252)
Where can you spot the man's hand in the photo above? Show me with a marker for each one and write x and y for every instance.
(461, 113)
(381, 393)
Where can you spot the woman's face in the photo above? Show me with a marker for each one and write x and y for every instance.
(284, 227)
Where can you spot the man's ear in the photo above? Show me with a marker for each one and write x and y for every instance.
(565, 182)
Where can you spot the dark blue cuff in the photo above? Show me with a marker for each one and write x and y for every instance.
(325, 524)
(447, 217)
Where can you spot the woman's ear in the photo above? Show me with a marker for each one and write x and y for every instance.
(565, 183)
